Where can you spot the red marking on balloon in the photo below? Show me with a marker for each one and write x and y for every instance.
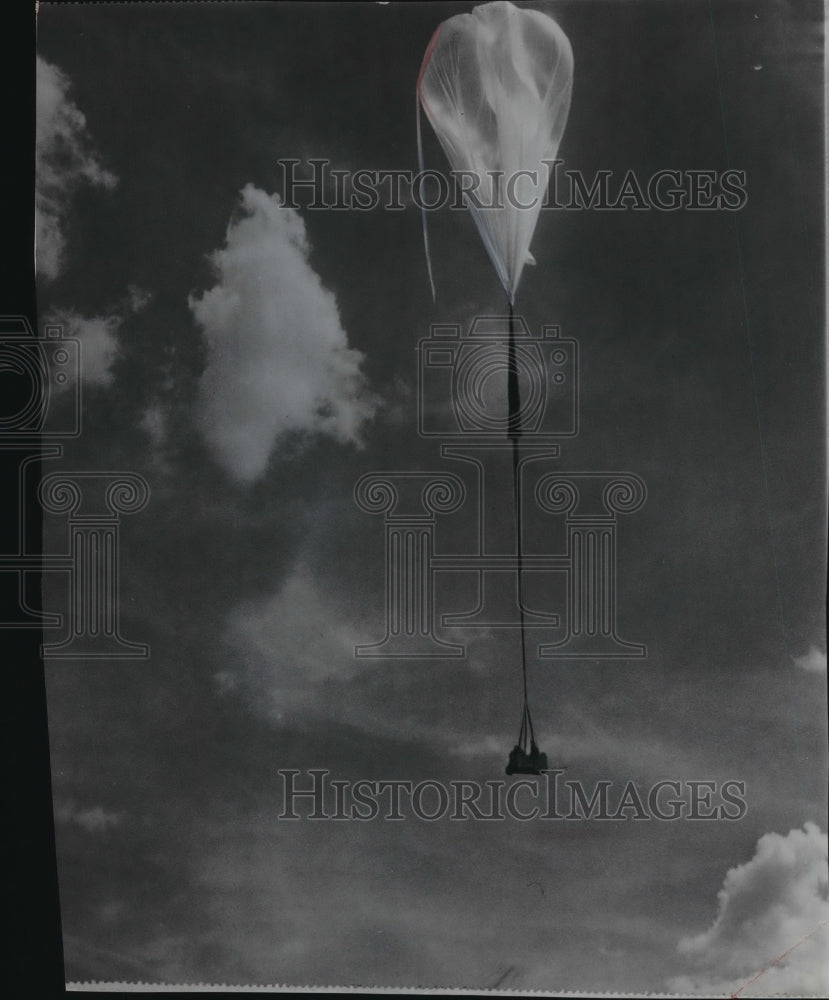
(427, 55)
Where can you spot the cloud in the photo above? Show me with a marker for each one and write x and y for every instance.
(94, 820)
(99, 343)
(279, 359)
(288, 644)
(154, 424)
(137, 298)
(813, 662)
(774, 902)
(98, 335)
(65, 160)
(292, 654)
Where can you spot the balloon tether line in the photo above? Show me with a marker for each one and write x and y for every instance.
(514, 433)
(420, 193)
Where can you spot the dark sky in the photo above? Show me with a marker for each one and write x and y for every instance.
(210, 318)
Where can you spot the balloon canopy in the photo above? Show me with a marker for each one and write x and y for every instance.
(495, 85)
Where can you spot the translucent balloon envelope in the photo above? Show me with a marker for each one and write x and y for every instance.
(495, 85)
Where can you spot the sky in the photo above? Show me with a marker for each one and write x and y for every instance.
(252, 361)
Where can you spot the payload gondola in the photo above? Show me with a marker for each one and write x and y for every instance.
(521, 760)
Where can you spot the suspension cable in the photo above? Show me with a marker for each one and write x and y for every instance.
(514, 433)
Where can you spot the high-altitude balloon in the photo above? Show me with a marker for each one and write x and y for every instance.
(495, 85)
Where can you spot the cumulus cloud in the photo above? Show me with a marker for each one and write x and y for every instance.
(278, 357)
(813, 662)
(65, 160)
(771, 932)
